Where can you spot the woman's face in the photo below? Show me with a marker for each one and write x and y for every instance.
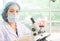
(13, 10)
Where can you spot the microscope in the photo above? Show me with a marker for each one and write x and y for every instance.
(37, 32)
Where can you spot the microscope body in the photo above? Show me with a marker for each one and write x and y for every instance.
(37, 32)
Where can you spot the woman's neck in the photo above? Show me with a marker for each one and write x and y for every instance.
(13, 26)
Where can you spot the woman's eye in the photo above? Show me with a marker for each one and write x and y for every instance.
(11, 11)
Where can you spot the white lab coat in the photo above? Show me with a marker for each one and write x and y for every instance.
(7, 33)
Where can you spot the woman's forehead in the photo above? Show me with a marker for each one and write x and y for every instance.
(14, 7)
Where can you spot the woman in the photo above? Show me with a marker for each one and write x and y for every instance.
(11, 29)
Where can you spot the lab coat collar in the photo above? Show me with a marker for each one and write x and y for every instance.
(10, 29)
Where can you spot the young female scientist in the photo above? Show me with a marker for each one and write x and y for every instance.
(10, 29)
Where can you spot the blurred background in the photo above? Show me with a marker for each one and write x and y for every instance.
(48, 10)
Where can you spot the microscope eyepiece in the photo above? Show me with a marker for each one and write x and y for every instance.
(32, 20)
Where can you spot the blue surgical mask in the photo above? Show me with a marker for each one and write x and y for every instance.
(12, 18)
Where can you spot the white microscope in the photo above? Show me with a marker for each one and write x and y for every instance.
(37, 32)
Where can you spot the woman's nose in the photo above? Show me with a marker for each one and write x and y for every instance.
(15, 13)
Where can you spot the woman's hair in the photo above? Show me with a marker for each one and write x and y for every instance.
(8, 5)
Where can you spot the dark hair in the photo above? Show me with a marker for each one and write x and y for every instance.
(7, 8)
